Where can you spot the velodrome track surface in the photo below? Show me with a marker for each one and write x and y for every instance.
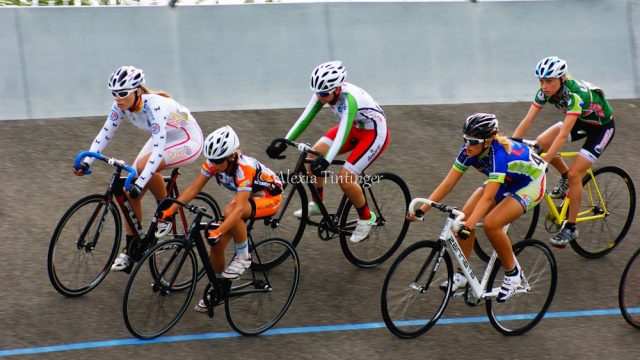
(336, 313)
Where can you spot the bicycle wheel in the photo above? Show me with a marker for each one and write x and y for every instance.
(412, 301)
(284, 224)
(151, 306)
(84, 245)
(259, 298)
(521, 229)
(388, 197)
(525, 309)
(629, 293)
(181, 229)
(598, 237)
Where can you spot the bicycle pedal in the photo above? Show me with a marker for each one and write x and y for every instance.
(559, 246)
(210, 311)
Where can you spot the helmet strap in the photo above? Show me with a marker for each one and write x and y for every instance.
(336, 95)
(137, 102)
(232, 164)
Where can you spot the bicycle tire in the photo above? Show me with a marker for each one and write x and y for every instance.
(591, 234)
(629, 291)
(411, 300)
(521, 229)
(202, 199)
(523, 311)
(88, 268)
(254, 304)
(390, 207)
(289, 227)
(144, 307)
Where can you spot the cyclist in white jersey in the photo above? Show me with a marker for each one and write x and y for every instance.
(176, 138)
(362, 130)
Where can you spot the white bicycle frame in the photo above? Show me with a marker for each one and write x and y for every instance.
(476, 286)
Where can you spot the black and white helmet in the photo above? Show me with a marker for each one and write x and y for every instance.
(481, 126)
(328, 76)
(126, 78)
(221, 143)
(551, 67)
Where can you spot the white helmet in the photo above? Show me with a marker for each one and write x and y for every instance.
(126, 78)
(220, 143)
(551, 67)
(328, 76)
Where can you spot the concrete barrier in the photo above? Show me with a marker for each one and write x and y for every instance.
(56, 61)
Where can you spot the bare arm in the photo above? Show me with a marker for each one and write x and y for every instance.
(559, 141)
(525, 124)
(190, 192)
(444, 188)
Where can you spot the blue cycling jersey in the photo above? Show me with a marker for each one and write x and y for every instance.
(515, 169)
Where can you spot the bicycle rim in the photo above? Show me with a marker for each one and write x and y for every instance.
(598, 237)
(75, 269)
(524, 310)
(151, 307)
(629, 292)
(260, 298)
(388, 197)
(411, 300)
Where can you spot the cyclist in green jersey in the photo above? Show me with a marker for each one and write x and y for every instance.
(587, 115)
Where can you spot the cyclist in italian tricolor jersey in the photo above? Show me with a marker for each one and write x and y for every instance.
(362, 130)
(587, 115)
(515, 185)
(176, 139)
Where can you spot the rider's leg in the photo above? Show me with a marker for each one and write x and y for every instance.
(238, 233)
(546, 139)
(505, 212)
(576, 172)
(155, 184)
(322, 147)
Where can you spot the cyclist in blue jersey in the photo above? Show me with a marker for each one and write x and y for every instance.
(587, 115)
(515, 184)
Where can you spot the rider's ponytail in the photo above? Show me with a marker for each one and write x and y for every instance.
(146, 90)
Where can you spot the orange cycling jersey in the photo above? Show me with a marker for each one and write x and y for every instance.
(249, 175)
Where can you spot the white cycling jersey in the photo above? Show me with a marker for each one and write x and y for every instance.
(355, 108)
(171, 126)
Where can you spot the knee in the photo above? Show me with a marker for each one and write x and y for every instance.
(574, 175)
(490, 225)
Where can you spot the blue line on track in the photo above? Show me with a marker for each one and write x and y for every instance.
(296, 330)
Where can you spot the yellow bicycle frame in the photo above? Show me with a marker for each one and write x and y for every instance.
(593, 196)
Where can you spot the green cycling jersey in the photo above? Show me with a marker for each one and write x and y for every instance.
(579, 98)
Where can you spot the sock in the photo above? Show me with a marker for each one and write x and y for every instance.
(512, 272)
(242, 250)
(571, 226)
(363, 212)
(320, 194)
(564, 176)
(128, 240)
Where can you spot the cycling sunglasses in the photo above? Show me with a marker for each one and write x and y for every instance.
(323, 93)
(218, 161)
(122, 93)
(473, 142)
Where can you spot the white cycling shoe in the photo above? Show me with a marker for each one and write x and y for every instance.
(312, 210)
(122, 262)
